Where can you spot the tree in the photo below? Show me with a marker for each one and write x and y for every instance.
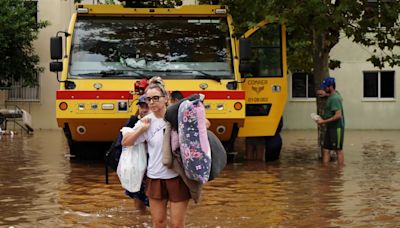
(314, 27)
(18, 30)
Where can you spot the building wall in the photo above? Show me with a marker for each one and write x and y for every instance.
(360, 114)
(58, 13)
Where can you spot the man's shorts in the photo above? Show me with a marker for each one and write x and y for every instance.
(334, 138)
(140, 194)
(174, 189)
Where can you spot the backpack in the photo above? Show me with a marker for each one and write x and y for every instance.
(111, 157)
(218, 155)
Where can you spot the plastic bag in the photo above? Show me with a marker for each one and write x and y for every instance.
(315, 117)
(113, 154)
(132, 165)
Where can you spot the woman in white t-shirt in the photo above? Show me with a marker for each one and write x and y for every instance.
(162, 184)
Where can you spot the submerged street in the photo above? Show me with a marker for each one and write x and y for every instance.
(40, 186)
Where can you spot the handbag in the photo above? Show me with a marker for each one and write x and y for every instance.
(132, 165)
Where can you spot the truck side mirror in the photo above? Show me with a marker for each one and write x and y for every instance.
(56, 66)
(56, 48)
(244, 49)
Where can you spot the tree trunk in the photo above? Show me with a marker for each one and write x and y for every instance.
(321, 70)
(3, 97)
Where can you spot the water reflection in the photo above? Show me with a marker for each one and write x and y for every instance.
(39, 186)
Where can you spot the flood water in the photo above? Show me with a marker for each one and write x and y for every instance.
(41, 187)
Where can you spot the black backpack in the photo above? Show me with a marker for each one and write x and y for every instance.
(111, 157)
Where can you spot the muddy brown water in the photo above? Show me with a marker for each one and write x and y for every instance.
(41, 187)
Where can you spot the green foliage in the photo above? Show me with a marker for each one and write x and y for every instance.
(17, 32)
(315, 27)
(109, 2)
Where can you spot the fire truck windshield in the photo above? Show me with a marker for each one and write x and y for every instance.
(132, 47)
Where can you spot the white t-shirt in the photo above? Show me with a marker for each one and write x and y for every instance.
(154, 138)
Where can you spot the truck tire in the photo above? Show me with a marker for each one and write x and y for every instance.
(280, 126)
(230, 144)
(2, 119)
(72, 145)
(273, 146)
(88, 150)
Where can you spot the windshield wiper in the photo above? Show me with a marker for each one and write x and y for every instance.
(103, 73)
(207, 76)
(110, 73)
(203, 75)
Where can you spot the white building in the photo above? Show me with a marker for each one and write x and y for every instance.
(371, 100)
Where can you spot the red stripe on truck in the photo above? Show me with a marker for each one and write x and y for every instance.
(218, 95)
(93, 95)
(115, 95)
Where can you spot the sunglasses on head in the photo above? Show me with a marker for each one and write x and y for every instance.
(153, 98)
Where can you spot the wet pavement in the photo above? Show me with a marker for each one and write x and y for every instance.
(41, 187)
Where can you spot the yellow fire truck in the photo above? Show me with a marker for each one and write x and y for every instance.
(110, 49)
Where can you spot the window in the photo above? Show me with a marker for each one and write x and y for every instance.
(303, 85)
(266, 51)
(379, 84)
(170, 47)
(19, 93)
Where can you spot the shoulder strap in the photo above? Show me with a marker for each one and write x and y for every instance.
(132, 121)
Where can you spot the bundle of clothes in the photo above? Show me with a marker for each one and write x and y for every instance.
(191, 150)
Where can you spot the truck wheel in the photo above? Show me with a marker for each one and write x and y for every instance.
(280, 126)
(75, 149)
(273, 146)
(230, 144)
(72, 145)
(2, 119)
(88, 150)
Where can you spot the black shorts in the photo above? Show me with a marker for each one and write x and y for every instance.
(334, 138)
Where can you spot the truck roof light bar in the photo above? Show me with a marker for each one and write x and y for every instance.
(220, 11)
(82, 10)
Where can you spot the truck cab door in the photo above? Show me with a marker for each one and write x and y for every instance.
(263, 71)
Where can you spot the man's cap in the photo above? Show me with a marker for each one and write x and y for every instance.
(328, 81)
(141, 100)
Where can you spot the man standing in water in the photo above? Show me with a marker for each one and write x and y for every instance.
(334, 119)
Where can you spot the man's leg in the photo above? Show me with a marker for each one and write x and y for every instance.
(326, 156)
(339, 151)
(340, 157)
(140, 205)
(178, 213)
(158, 209)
